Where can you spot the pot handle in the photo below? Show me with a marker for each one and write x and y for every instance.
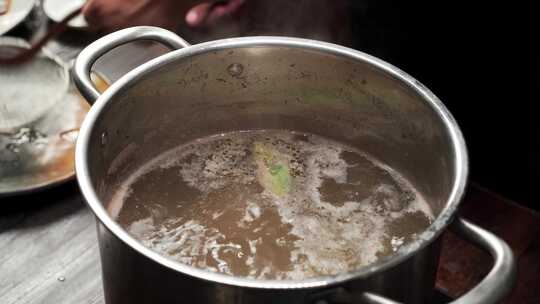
(88, 56)
(497, 283)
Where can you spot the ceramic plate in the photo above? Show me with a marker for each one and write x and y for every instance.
(40, 115)
(17, 11)
(57, 10)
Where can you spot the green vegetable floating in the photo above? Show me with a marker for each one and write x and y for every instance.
(273, 171)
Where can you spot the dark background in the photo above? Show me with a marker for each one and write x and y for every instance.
(481, 61)
(480, 58)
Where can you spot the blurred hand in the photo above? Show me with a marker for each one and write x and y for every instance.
(111, 15)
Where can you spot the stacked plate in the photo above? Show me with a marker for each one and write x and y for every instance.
(57, 10)
(39, 119)
(13, 12)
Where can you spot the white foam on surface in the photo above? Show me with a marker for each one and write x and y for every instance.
(327, 238)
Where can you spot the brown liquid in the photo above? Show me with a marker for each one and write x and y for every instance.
(270, 204)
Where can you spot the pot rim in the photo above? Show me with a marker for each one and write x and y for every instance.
(129, 79)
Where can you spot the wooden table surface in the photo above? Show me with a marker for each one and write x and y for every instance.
(48, 249)
(49, 252)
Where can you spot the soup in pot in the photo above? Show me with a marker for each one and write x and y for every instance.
(270, 204)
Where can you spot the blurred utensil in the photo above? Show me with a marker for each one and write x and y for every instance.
(30, 52)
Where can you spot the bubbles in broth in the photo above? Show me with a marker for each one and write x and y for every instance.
(270, 204)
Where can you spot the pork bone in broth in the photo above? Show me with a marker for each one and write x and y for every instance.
(270, 204)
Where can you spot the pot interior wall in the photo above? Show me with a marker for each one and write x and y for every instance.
(273, 87)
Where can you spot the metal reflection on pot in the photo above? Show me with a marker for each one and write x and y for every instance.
(304, 86)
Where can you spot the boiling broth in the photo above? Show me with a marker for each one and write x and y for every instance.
(270, 204)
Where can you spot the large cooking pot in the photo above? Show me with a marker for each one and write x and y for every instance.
(273, 82)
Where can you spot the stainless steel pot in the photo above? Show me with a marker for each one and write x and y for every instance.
(271, 82)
